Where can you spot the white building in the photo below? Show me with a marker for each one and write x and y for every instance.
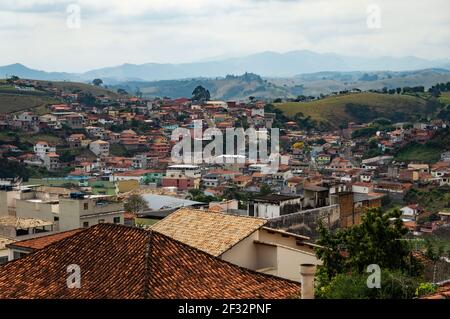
(99, 148)
(183, 169)
(51, 161)
(42, 148)
(362, 187)
(272, 206)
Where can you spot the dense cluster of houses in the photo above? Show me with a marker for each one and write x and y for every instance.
(126, 143)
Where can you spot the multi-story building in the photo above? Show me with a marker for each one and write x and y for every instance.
(174, 171)
(79, 210)
(42, 148)
(99, 148)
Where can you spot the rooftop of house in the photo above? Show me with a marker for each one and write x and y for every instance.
(443, 292)
(131, 263)
(314, 188)
(23, 223)
(208, 231)
(42, 242)
(5, 241)
(360, 197)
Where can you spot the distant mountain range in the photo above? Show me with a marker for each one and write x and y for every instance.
(266, 64)
(249, 84)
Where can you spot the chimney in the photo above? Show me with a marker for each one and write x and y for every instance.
(307, 272)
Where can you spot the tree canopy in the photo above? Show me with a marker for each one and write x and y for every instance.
(135, 204)
(346, 254)
(200, 94)
(97, 82)
(377, 240)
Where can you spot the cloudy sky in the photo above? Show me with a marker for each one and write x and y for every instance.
(46, 34)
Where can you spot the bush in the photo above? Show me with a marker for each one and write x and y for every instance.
(394, 285)
(425, 289)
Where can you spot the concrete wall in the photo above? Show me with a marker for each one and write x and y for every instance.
(266, 210)
(289, 261)
(4, 253)
(69, 214)
(39, 210)
(267, 257)
(305, 222)
(266, 236)
(3, 203)
(94, 220)
(244, 253)
(73, 215)
(271, 254)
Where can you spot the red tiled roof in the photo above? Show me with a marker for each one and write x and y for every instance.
(42, 242)
(131, 263)
(443, 292)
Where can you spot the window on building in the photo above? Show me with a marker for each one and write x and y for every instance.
(18, 255)
(85, 224)
(86, 206)
(3, 260)
(21, 232)
(116, 220)
(56, 219)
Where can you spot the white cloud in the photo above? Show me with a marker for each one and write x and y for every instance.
(140, 31)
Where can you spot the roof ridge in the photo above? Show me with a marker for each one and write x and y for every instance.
(215, 212)
(148, 271)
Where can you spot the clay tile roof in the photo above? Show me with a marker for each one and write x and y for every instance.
(42, 242)
(442, 292)
(209, 231)
(131, 263)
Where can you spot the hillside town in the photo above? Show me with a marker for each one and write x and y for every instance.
(81, 161)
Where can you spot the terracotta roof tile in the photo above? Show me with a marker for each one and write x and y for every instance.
(131, 263)
(44, 241)
(443, 292)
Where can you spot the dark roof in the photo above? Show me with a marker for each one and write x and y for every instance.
(131, 263)
(275, 198)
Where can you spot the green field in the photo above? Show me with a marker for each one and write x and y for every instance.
(26, 139)
(10, 103)
(13, 100)
(445, 98)
(365, 107)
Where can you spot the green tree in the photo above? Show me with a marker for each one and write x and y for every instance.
(135, 204)
(264, 190)
(197, 195)
(377, 240)
(394, 285)
(97, 82)
(200, 94)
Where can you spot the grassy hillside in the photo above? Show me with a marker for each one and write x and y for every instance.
(80, 87)
(419, 153)
(445, 98)
(19, 102)
(228, 88)
(14, 100)
(429, 152)
(358, 107)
